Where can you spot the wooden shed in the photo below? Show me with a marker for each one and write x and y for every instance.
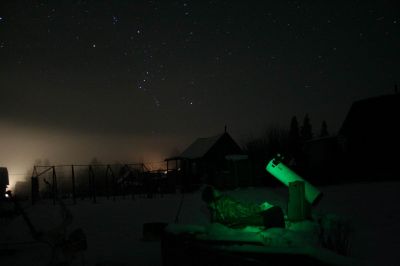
(216, 160)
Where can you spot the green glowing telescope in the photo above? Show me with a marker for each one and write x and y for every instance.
(284, 174)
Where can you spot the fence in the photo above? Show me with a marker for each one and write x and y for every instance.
(93, 180)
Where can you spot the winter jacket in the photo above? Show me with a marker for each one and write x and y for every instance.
(228, 211)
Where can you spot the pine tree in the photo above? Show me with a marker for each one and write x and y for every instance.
(294, 133)
(293, 137)
(324, 129)
(306, 129)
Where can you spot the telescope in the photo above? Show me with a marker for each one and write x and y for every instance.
(284, 174)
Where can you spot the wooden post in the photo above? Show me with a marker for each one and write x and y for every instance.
(113, 184)
(34, 186)
(54, 185)
(122, 186)
(107, 185)
(89, 189)
(93, 184)
(73, 185)
(94, 187)
(34, 189)
(132, 183)
(109, 171)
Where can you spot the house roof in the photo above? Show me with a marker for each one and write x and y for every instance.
(200, 147)
(372, 114)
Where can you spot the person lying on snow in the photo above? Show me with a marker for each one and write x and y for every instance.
(232, 213)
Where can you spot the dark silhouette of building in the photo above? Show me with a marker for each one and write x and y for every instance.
(365, 148)
(216, 160)
(4, 182)
(369, 138)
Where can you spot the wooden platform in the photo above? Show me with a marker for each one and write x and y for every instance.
(185, 248)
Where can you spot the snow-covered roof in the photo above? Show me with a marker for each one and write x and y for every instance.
(200, 147)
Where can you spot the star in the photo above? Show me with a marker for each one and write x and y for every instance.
(114, 20)
(156, 101)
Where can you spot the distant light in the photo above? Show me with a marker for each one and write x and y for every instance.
(6, 195)
(165, 172)
(94, 45)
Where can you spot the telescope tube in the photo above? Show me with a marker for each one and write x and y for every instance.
(284, 174)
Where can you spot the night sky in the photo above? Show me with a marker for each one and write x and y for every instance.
(138, 80)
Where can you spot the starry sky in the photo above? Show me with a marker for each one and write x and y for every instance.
(139, 80)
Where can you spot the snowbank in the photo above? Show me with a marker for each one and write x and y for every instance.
(114, 229)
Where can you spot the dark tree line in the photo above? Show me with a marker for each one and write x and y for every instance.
(288, 141)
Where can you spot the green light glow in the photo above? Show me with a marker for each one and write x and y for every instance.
(286, 176)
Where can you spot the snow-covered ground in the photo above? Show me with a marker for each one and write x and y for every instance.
(114, 229)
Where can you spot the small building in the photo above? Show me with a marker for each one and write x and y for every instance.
(216, 160)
